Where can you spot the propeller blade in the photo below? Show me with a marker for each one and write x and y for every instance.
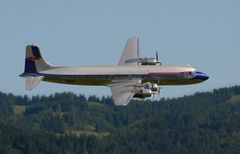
(157, 55)
(159, 91)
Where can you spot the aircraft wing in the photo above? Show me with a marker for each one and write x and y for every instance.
(123, 92)
(131, 52)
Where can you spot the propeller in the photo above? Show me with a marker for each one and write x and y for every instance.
(157, 55)
(156, 92)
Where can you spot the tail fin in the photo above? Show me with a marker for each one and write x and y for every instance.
(34, 63)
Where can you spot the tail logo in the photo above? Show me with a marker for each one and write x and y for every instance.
(32, 58)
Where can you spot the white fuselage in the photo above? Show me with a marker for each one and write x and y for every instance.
(105, 75)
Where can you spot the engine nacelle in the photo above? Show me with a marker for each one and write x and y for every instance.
(149, 61)
(153, 86)
(143, 93)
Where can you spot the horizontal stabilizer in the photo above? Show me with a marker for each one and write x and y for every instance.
(31, 82)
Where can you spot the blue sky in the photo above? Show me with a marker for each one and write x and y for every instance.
(204, 34)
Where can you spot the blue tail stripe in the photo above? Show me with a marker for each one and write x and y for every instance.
(30, 66)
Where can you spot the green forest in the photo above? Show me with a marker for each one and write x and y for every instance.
(66, 123)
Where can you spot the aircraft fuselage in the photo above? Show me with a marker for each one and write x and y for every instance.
(105, 75)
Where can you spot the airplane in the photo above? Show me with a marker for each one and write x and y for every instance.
(133, 77)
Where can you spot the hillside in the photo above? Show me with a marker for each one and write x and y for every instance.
(206, 122)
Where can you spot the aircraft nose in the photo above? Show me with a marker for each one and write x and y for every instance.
(201, 76)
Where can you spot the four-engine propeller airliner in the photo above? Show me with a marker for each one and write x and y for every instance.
(132, 77)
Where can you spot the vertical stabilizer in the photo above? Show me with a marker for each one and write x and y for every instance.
(34, 62)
